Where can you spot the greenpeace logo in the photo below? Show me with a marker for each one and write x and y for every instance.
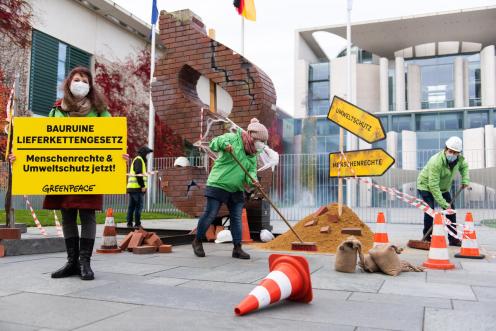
(67, 188)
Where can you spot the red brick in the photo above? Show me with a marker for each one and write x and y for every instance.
(320, 211)
(312, 222)
(144, 250)
(125, 242)
(165, 249)
(325, 229)
(10, 233)
(136, 240)
(2, 250)
(352, 231)
(332, 218)
(153, 240)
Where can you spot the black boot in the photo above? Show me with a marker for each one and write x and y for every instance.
(71, 268)
(239, 253)
(85, 251)
(198, 248)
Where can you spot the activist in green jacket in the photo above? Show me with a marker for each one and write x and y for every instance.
(226, 173)
(436, 178)
(227, 181)
(137, 186)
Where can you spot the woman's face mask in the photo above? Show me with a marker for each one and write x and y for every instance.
(79, 86)
(259, 145)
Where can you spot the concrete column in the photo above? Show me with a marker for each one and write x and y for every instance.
(459, 83)
(392, 145)
(301, 89)
(413, 90)
(409, 157)
(488, 76)
(490, 148)
(466, 93)
(384, 84)
(400, 83)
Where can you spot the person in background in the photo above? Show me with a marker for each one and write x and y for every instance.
(137, 186)
(226, 182)
(435, 180)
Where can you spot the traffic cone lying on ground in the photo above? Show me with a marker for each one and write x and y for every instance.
(109, 235)
(245, 230)
(470, 248)
(380, 235)
(438, 253)
(289, 278)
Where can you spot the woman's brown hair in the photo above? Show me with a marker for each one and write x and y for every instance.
(95, 97)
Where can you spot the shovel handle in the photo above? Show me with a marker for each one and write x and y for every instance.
(265, 196)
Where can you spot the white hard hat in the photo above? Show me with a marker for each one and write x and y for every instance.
(181, 162)
(224, 236)
(454, 143)
(266, 235)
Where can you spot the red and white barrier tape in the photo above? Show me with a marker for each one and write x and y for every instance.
(411, 200)
(57, 225)
(36, 221)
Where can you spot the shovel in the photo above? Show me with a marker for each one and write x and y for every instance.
(296, 246)
(426, 245)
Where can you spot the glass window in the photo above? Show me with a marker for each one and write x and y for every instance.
(477, 119)
(437, 86)
(401, 123)
(319, 107)
(384, 121)
(451, 121)
(319, 90)
(474, 80)
(391, 90)
(319, 71)
(427, 122)
(61, 69)
(326, 127)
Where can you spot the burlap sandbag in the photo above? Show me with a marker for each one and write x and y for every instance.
(387, 259)
(346, 256)
(368, 264)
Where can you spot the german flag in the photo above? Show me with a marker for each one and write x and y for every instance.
(246, 8)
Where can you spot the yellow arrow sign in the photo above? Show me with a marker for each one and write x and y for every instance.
(356, 120)
(370, 162)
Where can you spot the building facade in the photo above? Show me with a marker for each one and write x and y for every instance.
(69, 33)
(426, 77)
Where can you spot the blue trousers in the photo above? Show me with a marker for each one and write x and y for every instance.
(215, 198)
(135, 207)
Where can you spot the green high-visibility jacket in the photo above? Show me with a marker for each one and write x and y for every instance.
(132, 182)
(437, 177)
(226, 173)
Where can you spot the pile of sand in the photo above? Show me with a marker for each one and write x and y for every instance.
(326, 242)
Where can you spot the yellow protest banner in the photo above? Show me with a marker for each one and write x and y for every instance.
(69, 155)
(365, 163)
(356, 120)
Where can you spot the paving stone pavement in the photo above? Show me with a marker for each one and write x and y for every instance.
(179, 291)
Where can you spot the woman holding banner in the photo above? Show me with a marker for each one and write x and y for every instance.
(80, 99)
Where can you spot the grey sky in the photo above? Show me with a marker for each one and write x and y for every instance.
(269, 42)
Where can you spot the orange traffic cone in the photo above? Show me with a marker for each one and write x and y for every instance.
(438, 253)
(380, 235)
(245, 230)
(109, 235)
(470, 248)
(289, 278)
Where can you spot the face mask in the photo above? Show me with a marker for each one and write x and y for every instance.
(259, 145)
(79, 89)
(451, 158)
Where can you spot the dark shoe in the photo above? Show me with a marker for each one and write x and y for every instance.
(238, 253)
(138, 225)
(455, 242)
(129, 225)
(198, 248)
(85, 252)
(71, 268)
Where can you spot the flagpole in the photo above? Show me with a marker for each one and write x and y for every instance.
(151, 120)
(242, 35)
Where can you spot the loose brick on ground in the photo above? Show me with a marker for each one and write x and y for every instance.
(352, 231)
(153, 240)
(144, 249)
(136, 240)
(125, 242)
(165, 249)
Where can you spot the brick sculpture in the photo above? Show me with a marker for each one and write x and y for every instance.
(191, 53)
